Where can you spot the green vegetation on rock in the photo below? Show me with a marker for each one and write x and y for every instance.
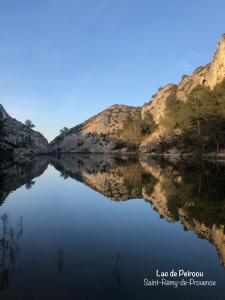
(135, 129)
(199, 122)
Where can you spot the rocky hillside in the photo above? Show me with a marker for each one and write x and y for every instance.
(179, 119)
(98, 134)
(18, 139)
(128, 129)
(208, 76)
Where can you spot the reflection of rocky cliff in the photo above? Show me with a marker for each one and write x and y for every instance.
(189, 193)
(193, 195)
(9, 249)
(116, 178)
(18, 174)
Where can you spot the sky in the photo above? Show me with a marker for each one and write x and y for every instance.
(62, 61)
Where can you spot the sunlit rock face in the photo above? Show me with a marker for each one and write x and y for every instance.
(157, 109)
(21, 173)
(157, 105)
(18, 138)
(209, 76)
(97, 134)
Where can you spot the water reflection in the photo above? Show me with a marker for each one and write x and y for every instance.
(117, 268)
(117, 178)
(192, 193)
(9, 248)
(20, 173)
(70, 239)
(60, 261)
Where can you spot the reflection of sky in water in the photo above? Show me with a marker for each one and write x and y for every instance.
(76, 242)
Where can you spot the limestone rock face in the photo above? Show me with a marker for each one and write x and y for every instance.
(157, 109)
(98, 133)
(18, 138)
(209, 75)
(157, 105)
(110, 120)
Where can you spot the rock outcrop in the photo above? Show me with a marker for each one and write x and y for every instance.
(18, 139)
(157, 109)
(98, 134)
(106, 131)
(209, 76)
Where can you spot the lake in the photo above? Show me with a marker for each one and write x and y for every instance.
(95, 226)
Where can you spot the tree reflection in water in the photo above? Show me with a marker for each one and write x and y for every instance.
(60, 260)
(117, 268)
(9, 248)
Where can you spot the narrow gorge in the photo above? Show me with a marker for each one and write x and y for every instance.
(188, 118)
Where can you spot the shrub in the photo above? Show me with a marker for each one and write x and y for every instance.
(29, 124)
(184, 76)
(200, 120)
(135, 129)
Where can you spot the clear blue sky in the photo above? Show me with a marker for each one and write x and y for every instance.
(62, 61)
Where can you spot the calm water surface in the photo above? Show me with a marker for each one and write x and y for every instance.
(93, 227)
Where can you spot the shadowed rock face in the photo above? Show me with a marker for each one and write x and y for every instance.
(21, 173)
(192, 194)
(18, 139)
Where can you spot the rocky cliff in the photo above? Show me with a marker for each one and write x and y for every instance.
(98, 134)
(102, 132)
(209, 76)
(18, 139)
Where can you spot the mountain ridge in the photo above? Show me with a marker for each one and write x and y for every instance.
(209, 76)
(146, 129)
